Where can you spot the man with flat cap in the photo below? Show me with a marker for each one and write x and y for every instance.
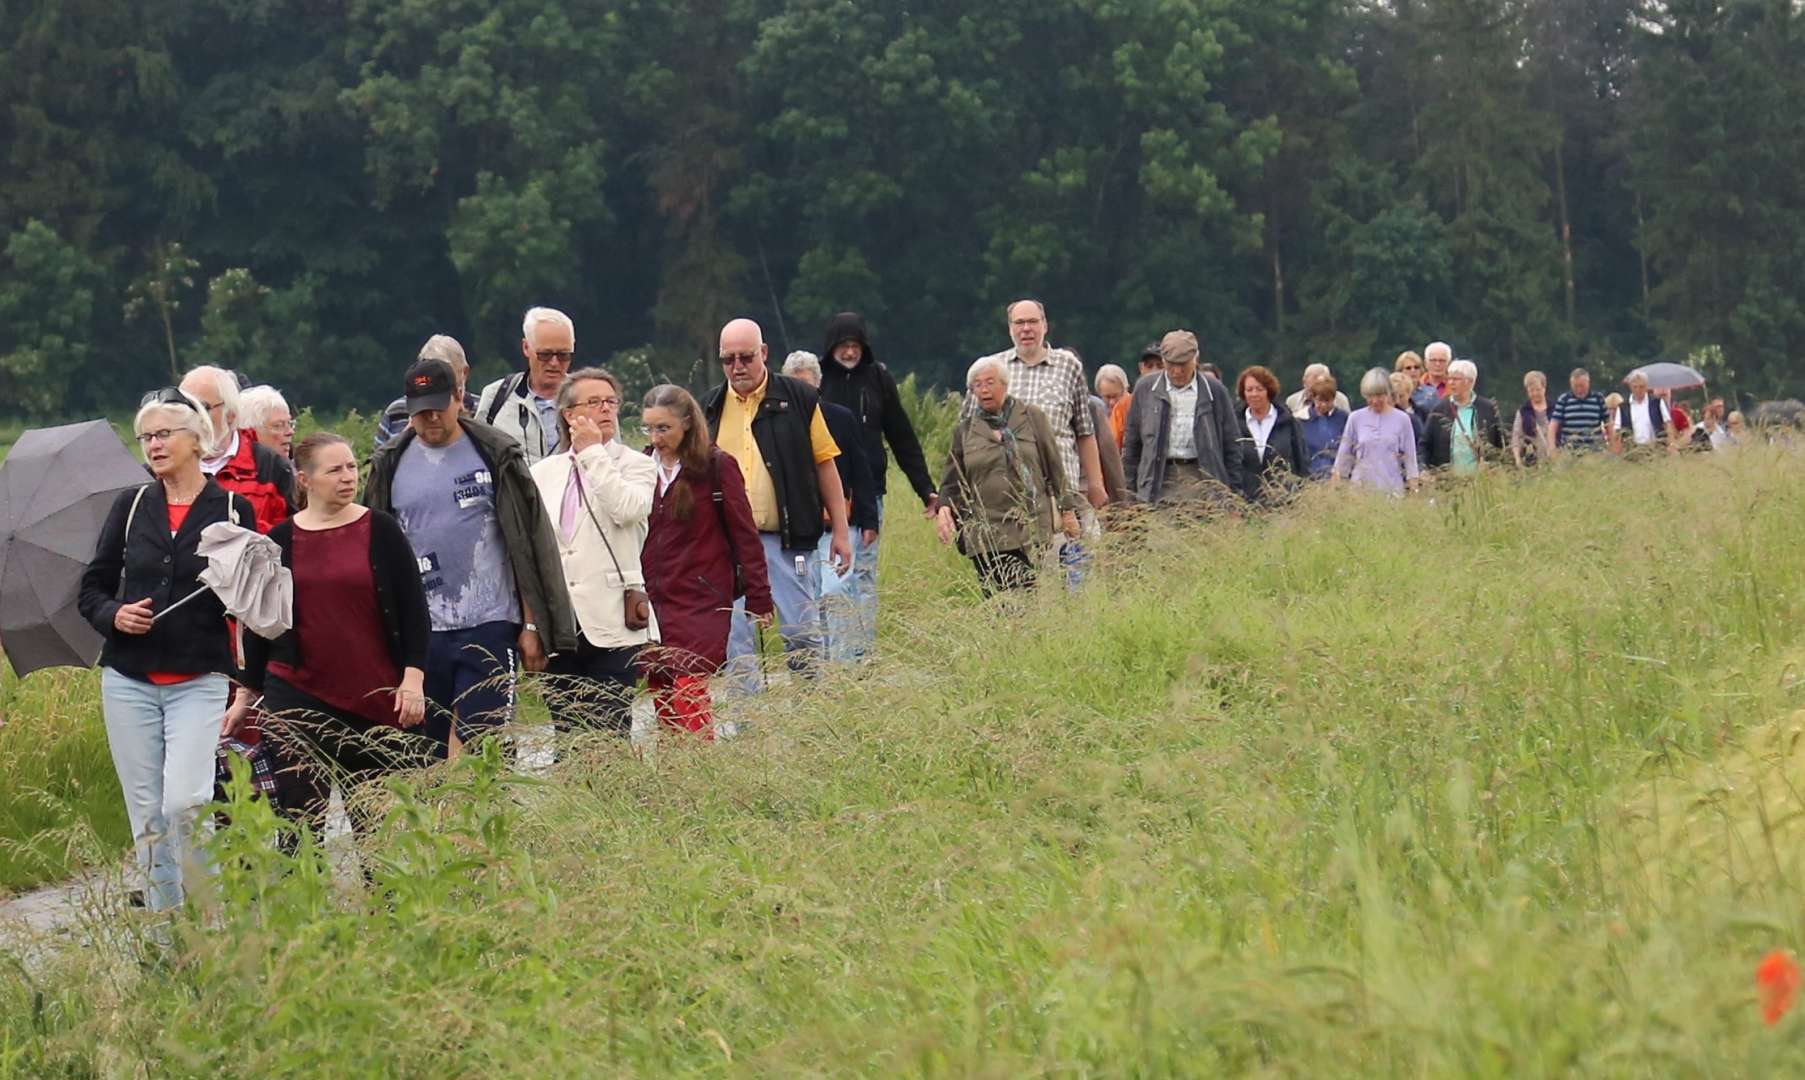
(1181, 441)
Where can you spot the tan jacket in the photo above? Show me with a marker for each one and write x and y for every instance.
(989, 500)
(617, 482)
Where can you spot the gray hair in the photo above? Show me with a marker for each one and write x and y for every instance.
(1464, 368)
(1530, 377)
(803, 362)
(445, 347)
(192, 419)
(257, 404)
(993, 363)
(225, 384)
(1438, 348)
(567, 395)
(535, 316)
(1376, 383)
(1112, 371)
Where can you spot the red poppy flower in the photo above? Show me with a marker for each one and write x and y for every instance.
(1777, 980)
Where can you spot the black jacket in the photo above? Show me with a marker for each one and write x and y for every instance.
(855, 470)
(193, 639)
(1283, 466)
(399, 596)
(1435, 448)
(526, 528)
(781, 430)
(869, 390)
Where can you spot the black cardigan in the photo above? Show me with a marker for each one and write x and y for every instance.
(193, 639)
(400, 597)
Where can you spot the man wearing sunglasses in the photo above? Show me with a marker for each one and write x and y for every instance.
(525, 404)
(772, 425)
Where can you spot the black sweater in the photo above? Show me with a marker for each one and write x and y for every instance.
(193, 639)
(399, 596)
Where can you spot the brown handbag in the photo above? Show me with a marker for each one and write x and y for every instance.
(636, 606)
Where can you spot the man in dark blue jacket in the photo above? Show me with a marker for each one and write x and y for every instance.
(843, 617)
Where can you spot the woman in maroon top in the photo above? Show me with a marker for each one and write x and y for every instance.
(338, 686)
(701, 551)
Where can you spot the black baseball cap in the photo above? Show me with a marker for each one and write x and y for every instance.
(430, 385)
(1152, 350)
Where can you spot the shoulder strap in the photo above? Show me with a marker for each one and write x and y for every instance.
(502, 394)
(130, 516)
(583, 495)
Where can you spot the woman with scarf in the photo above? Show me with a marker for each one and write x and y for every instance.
(1004, 492)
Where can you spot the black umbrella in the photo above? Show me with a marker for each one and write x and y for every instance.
(56, 486)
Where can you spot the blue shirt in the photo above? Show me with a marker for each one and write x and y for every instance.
(1322, 438)
(444, 498)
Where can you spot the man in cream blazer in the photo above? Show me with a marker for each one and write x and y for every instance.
(598, 492)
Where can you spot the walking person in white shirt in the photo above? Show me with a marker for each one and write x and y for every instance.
(1645, 417)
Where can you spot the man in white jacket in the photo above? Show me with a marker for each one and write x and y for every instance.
(598, 493)
(525, 404)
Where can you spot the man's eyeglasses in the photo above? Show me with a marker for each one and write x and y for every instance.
(281, 427)
(738, 359)
(596, 403)
(554, 356)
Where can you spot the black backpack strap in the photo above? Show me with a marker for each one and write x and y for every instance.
(508, 386)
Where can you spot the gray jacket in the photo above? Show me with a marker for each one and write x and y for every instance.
(1215, 430)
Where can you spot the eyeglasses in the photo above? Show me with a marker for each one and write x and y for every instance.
(738, 359)
(169, 395)
(1411, 367)
(652, 431)
(554, 356)
(160, 435)
(281, 427)
(596, 403)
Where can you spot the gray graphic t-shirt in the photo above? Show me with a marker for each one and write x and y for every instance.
(444, 498)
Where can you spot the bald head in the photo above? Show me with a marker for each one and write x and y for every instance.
(743, 355)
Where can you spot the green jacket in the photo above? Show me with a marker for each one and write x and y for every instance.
(526, 528)
(996, 508)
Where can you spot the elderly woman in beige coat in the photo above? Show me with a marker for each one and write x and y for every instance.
(598, 492)
(1004, 492)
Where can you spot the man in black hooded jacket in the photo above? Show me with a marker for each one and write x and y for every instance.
(852, 377)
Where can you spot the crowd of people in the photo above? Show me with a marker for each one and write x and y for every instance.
(519, 528)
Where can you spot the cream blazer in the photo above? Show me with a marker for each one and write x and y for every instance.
(617, 482)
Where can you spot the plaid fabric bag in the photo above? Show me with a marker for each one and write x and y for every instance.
(263, 773)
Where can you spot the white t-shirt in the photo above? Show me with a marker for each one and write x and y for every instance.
(1640, 421)
(1181, 440)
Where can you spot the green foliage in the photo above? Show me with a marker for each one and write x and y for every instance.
(60, 805)
(48, 297)
(1273, 815)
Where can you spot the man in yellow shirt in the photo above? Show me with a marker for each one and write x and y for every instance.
(772, 425)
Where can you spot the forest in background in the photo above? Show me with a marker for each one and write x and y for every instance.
(305, 189)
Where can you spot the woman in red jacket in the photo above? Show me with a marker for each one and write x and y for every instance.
(701, 552)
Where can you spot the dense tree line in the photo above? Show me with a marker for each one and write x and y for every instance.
(305, 189)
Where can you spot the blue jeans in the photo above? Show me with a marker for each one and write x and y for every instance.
(470, 673)
(793, 593)
(163, 740)
(849, 601)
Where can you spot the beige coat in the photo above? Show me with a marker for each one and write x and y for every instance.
(617, 483)
(990, 501)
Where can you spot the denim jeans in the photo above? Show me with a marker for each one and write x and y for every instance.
(163, 740)
(470, 673)
(798, 616)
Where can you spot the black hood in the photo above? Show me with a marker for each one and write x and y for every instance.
(846, 326)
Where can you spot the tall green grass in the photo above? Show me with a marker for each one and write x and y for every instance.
(1498, 784)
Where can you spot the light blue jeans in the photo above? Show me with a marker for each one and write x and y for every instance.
(849, 601)
(793, 593)
(163, 740)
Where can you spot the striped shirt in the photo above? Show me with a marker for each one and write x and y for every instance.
(1581, 420)
(1057, 388)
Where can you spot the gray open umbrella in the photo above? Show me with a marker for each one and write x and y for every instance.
(56, 486)
(1667, 375)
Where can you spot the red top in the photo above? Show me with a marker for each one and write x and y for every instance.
(340, 638)
(178, 513)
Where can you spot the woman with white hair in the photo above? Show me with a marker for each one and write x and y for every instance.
(1004, 492)
(1378, 449)
(1463, 429)
(265, 411)
(1114, 388)
(164, 668)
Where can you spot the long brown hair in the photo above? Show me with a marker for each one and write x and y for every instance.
(695, 452)
(307, 451)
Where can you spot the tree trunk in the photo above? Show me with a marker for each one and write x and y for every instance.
(175, 367)
(1560, 188)
(1642, 253)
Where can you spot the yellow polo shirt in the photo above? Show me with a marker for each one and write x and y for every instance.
(736, 438)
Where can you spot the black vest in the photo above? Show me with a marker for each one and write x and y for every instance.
(1657, 417)
(781, 430)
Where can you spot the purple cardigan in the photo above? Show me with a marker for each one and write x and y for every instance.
(1378, 449)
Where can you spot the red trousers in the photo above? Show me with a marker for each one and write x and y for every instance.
(683, 702)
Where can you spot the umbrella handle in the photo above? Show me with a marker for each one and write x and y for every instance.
(177, 604)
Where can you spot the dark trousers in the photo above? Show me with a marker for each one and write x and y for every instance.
(592, 688)
(313, 745)
(1002, 570)
(470, 675)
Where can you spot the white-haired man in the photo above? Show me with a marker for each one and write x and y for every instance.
(1463, 428)
(438, 347)
(1302, 403)
(1645, 417)
(1437, 355)
(264, 410)
(236, 460)
(525, 404)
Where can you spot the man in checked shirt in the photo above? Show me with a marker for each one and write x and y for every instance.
(1053, 381)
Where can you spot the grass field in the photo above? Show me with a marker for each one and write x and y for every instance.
(1502, 784)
